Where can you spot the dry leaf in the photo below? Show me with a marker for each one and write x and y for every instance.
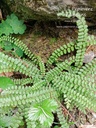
(7, 74)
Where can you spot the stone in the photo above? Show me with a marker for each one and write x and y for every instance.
(47, 9)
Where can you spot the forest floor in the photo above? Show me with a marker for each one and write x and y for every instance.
(42, 41)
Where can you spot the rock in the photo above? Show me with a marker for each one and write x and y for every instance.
(47, 9)
(88, 57)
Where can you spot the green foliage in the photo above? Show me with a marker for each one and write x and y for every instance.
(13, 121)
(6, 82)
(82, 36)
(70, 79)
(20, 45)
(7, 46)
(56, 127)
(12, 25)
(41, 65)
(18, 51)
(5, 28)
(43, 112)
(23, 81)
(61, 51)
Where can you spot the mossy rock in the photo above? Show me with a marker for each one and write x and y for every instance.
(47, 9)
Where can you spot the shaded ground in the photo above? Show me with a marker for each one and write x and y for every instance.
(43, 41)
(42, 44)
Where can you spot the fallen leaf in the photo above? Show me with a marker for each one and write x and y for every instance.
(7, 74)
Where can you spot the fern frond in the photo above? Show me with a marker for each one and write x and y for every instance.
(60, 67)
(89, 68)
(41, 65)
(4, 70)
(13, 121)
(82, 29)
(4, 67)
(82, 34)
(17, 120)
(23, 81)
(14, 90)
(62, 119)
(66, 48)
(82, 42)
(21, 45)
(31, 124)
(80, 57)
(90, 41)
(25, 96)
(81, 23)
(5, 111)
(77, 90)
(19, 65)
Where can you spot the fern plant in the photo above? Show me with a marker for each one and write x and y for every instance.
(34, 105)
